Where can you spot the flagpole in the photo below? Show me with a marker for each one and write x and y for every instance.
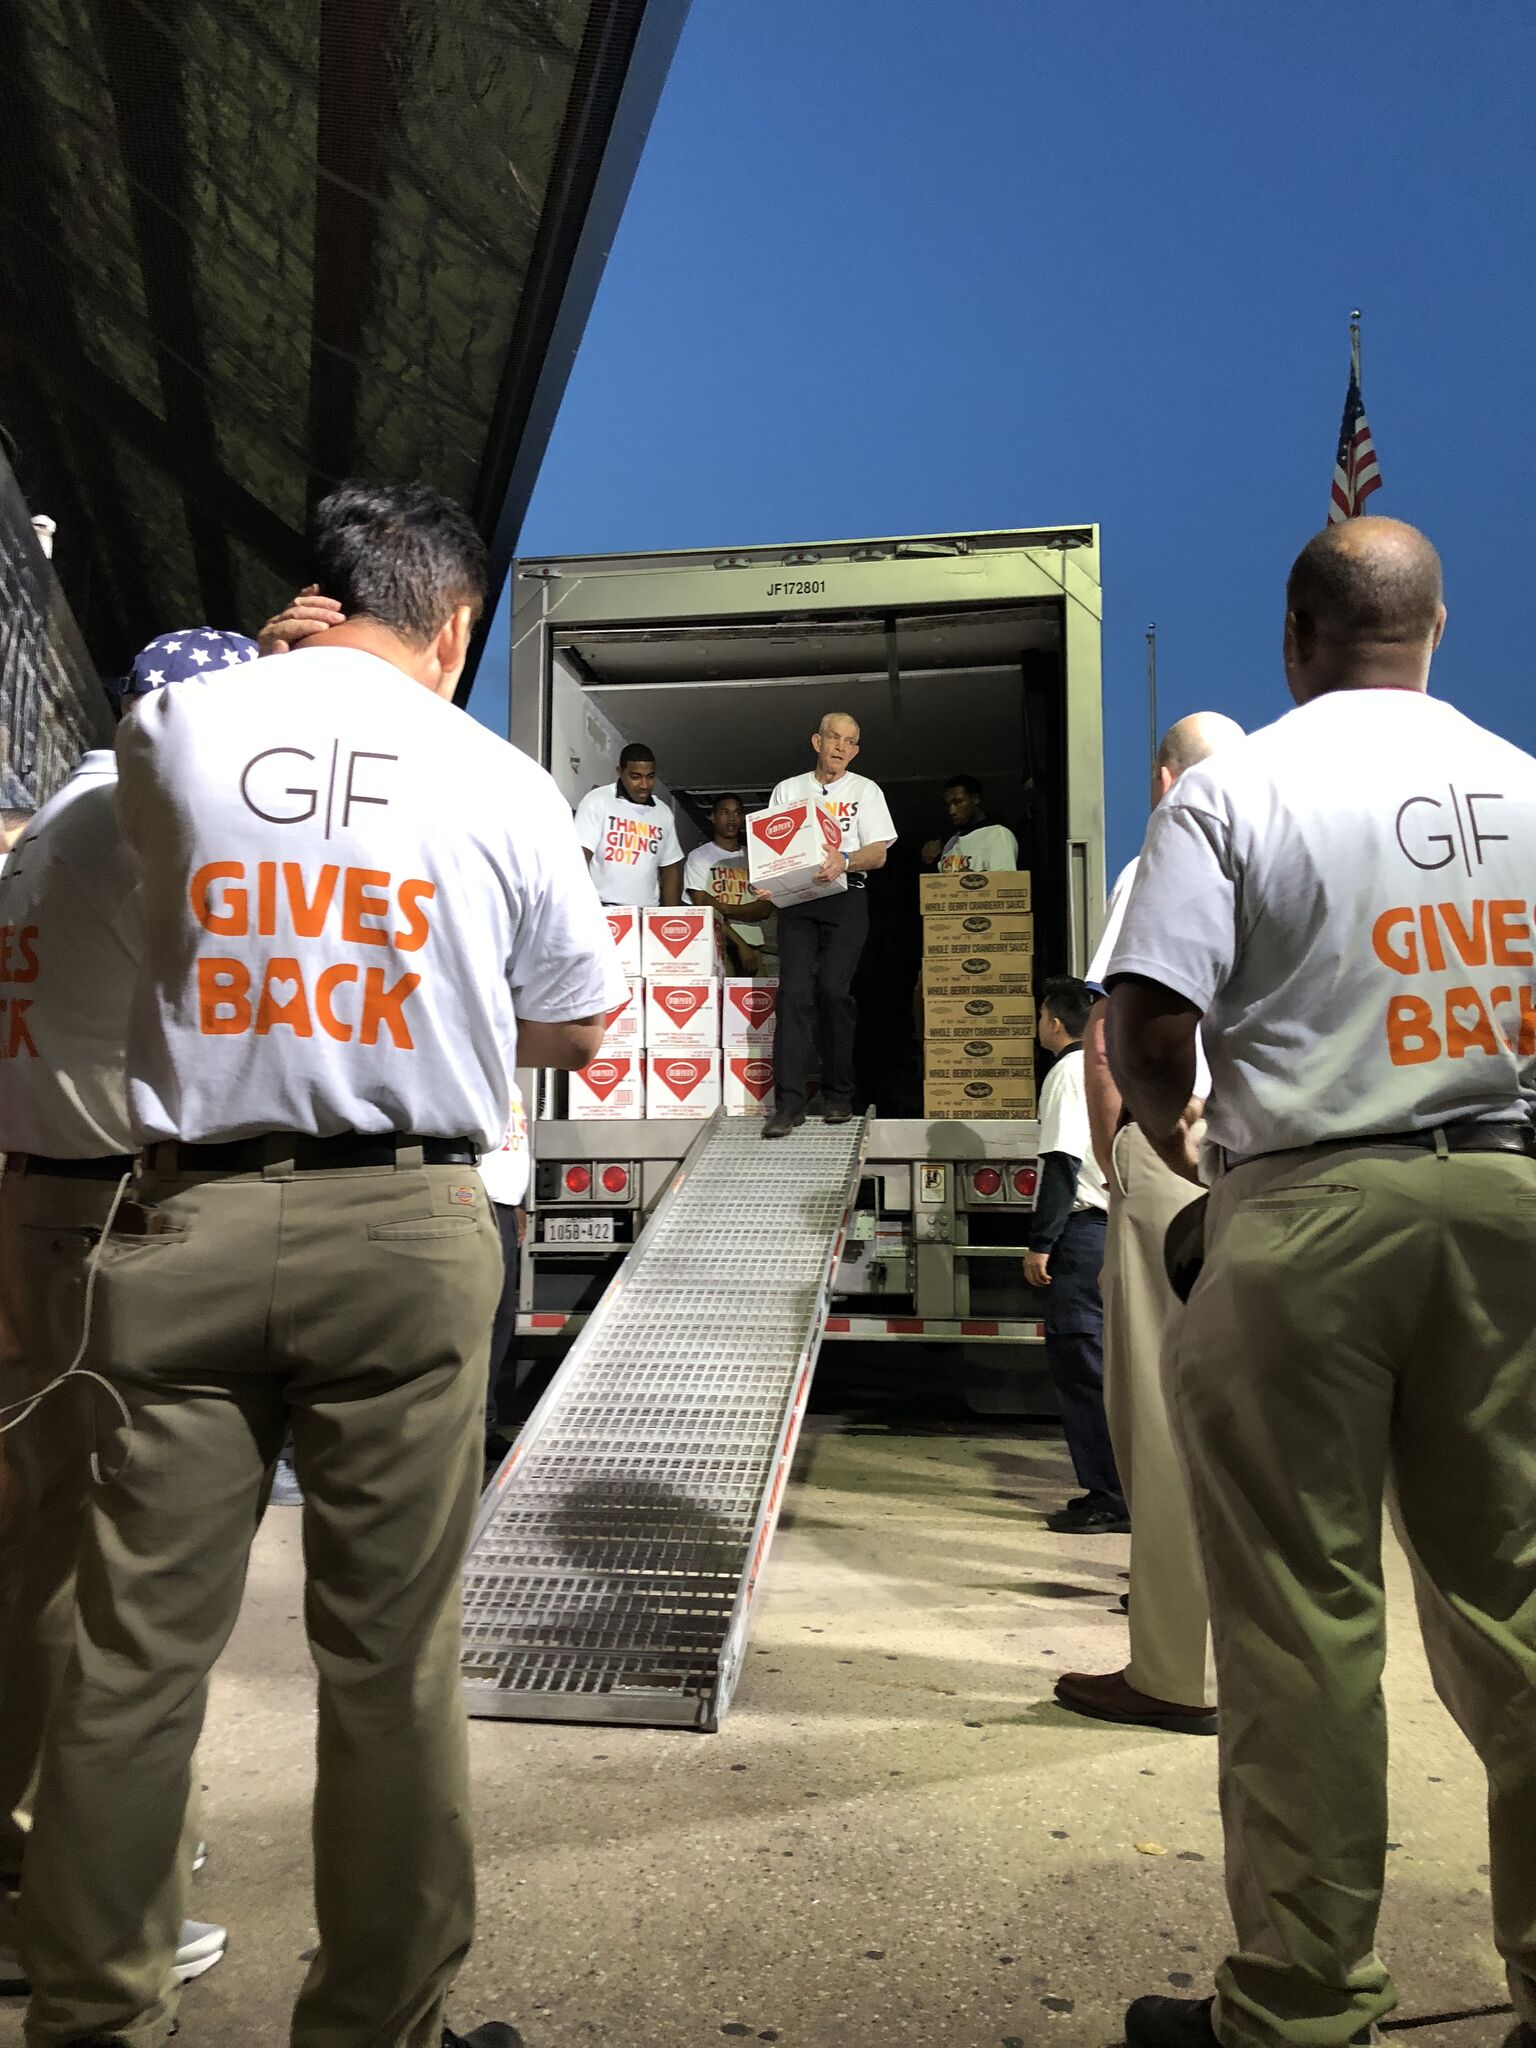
(1152, 702)
(1354, 344)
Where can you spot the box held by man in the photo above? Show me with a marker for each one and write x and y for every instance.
(786, 850)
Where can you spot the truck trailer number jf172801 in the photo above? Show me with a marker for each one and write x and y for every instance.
(817, 589)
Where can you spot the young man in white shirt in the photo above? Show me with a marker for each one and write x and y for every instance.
(820, 941)
(973, 843)
(630, 837)
(1066, 1251)
(70, 946)
(354, 900)
(1341, 905)
(716, 873)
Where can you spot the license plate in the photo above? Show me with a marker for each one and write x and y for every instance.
(577, 1230)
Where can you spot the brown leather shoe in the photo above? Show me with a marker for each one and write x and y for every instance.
(1112, 1697)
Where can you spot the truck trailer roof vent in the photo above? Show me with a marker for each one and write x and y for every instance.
(922, 550)
(733, 562)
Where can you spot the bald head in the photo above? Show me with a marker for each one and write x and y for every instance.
(1193, 738)
(1364, 609)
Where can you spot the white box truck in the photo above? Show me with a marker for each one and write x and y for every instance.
(970, 653)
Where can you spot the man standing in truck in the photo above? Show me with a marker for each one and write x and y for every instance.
(974, 843)
(630, 838)
(716, 874)
(820, 941)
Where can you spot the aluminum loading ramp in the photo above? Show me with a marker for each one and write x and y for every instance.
(612, 1569)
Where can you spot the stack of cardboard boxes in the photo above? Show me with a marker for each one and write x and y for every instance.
(978, 1000)
(687, 1037)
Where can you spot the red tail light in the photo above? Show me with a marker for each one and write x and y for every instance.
(987, 1180)
(1024, 1179)
(578, 1180)
(615, 1180)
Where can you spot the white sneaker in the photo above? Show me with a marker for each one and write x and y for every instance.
(199, 1855)
(200, 1947)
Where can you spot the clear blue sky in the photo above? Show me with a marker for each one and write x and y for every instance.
(898, 266)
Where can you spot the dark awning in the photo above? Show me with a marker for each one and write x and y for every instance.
(250, 247)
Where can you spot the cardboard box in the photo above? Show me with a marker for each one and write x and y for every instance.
(682, 945)
(749, 1012)
(954, 893)
(609, 1090)
(625, 1029)
(625, 926)
(786, 847)
(978, 1097)
(956, 1059)
(1006, 1013)
(681, 1084)
(747, 1086)
(682, 1015)
(952, 938)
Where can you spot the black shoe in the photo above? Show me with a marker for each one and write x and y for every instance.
(781, 1126)
(493, 2034)
(837, 1113)
(1170, 2023)
(1101, 1520)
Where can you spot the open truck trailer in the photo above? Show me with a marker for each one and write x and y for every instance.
(958, 654)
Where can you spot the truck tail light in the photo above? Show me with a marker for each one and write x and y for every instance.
(578, 1180)
(616, 1180)
(1024, 1181)
(986, 1181)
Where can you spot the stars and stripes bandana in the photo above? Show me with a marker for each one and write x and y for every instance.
(194, 651)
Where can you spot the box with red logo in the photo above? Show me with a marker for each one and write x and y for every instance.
(747, 1084)
(683, 945)
(625, 1028)
(682, 1016)
(749, 1010)
(609, 1090)
(625, 926)
(681, 1084)
(785, 849)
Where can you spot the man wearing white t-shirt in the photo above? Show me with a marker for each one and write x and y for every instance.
(1343, 904)
(716, 873)
(505, 1174)
(70, 945)
(354, 900)
(974, 844)
(1169, 1680)
(820, 941)
(629, 836)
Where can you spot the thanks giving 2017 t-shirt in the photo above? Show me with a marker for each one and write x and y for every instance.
(857, 804)
(352, 891)
(1348, 897)
(69, 950)
(985, 848)
(630, 844)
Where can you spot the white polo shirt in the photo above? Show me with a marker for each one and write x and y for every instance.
(505, 1171)
(352, 891)
(856, 803)
(1064, 1127)
(69, 947)
(983, 848)
(630, 844)
(1098, 967)
(1349, 896)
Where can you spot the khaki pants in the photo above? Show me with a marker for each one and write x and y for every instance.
(353, 1308)
(47, 1228)
(1366, 1315)
(1169, 1620)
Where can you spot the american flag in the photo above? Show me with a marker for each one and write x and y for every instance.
(1355, 470)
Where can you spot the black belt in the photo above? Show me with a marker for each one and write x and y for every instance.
(309, 1155)
(112, 1167)
(1462, 1137)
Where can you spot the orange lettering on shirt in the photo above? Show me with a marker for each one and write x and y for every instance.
(25, 939)
(332, 1025)
(1434, 952)
(360, 899)
(1466, 1022)
(308, 914)
(231, 920)
(1527, 1043)
(1404, 956)
(18, 1038)
(1507, 924)
(266, 898)
(1471, 945)
(276, 1006)
(417, 930)
(223, 996)
(386, 1007)
(1411, 1036)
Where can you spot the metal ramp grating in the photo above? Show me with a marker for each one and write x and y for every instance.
(612, 1569)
